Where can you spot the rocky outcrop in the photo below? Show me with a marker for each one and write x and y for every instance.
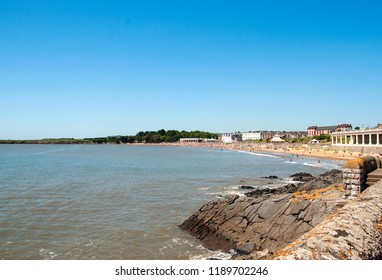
(354, 232)
(266, 221)
(304, 182)
(271, 177)
(302, 177)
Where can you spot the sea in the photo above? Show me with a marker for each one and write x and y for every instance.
(113, 202)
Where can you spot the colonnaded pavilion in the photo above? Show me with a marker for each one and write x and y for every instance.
(363, 137)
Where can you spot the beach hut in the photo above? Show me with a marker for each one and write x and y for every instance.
(277, 139)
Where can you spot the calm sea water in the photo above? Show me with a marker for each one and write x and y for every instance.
(118, 201)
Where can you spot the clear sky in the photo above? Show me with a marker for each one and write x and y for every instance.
(77, 68)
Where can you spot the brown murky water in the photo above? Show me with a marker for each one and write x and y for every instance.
(117, 201)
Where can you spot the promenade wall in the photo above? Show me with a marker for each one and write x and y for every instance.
(355, 173)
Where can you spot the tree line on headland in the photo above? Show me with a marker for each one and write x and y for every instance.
(160, 136)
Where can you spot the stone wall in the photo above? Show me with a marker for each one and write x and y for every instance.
(358, 149)
(355, 172)
(354, 181)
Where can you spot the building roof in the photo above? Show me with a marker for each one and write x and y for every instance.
(331, 127)
(344, 125)
(277, 139)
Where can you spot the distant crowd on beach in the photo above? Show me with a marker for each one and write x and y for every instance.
(317, 151)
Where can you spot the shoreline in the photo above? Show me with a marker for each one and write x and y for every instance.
(300, 150)
(324, 151)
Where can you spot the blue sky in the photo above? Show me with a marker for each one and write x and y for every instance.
(97, 68)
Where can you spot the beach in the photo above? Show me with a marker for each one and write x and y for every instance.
(292, 149)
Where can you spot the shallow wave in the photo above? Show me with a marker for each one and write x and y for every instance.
(225, 193)
(212, 255)
(47, 254)
(258, 154)
(316, 164)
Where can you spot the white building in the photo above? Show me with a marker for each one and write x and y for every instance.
(364, 137)
(255, 136)
(251, 136)
(227, 137)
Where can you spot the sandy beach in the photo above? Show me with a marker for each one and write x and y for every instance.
(301, 150)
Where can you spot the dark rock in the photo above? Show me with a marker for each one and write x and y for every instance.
(328, 178)
(332, 174)
(247, 187)
(342, 233)
(244, 249)
(290, 188)
(271, 177)
(258, 192)
(302, 177)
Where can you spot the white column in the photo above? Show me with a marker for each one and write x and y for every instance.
(370, 139)
(356, 139)
(377, 138)
(363, 139)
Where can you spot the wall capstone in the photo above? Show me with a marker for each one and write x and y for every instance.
(354, 174)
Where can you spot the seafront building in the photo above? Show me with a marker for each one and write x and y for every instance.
(229, 137)
(363, 137)
(320, 130)
(192, 140)
(256, 135)
(196, 140)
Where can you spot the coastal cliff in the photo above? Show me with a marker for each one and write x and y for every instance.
(309, 220)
